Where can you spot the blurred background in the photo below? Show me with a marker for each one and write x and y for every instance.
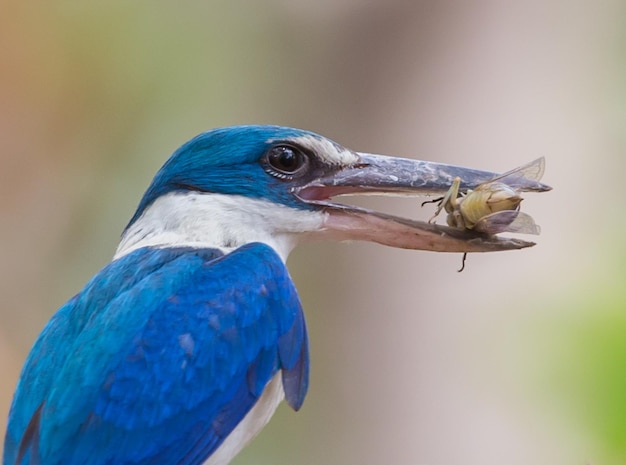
(520, 359)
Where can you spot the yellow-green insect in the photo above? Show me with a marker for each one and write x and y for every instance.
(493, 207)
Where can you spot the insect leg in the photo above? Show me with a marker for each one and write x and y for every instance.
(449, 200)
(462, 262)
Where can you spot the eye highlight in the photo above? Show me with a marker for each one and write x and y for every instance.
(286, 161)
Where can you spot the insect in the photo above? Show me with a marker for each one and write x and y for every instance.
(493, 206)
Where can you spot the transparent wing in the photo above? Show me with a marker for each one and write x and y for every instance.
(532, 171)
(507, 221)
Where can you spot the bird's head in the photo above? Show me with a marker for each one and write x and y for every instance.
(235, 185)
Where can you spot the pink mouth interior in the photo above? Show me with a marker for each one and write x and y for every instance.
(317, 193)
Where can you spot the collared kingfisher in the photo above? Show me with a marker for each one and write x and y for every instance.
(180, 349)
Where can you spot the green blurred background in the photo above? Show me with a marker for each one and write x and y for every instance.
(520, 359)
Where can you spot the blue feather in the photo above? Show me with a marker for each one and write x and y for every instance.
(158, 358)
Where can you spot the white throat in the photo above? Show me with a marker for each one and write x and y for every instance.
(218, 221)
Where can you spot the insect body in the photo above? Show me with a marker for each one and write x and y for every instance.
(493, 207)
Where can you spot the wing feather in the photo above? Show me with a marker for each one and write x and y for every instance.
(160, 357)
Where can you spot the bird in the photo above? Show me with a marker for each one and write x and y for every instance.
(180, 349)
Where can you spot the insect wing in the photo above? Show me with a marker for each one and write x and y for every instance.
(507, 221)
(518, 178)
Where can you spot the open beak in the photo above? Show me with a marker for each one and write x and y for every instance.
(379, 174)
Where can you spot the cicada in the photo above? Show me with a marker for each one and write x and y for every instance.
(493, 206)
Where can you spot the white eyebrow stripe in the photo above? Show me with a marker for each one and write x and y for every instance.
(326, 150)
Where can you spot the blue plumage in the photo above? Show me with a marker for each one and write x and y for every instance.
(164, 362)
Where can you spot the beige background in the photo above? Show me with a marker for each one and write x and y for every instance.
(517, 360)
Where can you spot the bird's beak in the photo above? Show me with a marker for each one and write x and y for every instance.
(379, 174)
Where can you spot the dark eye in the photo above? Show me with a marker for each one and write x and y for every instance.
(285, 160)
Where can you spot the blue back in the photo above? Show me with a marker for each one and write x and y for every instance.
(158, 358)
